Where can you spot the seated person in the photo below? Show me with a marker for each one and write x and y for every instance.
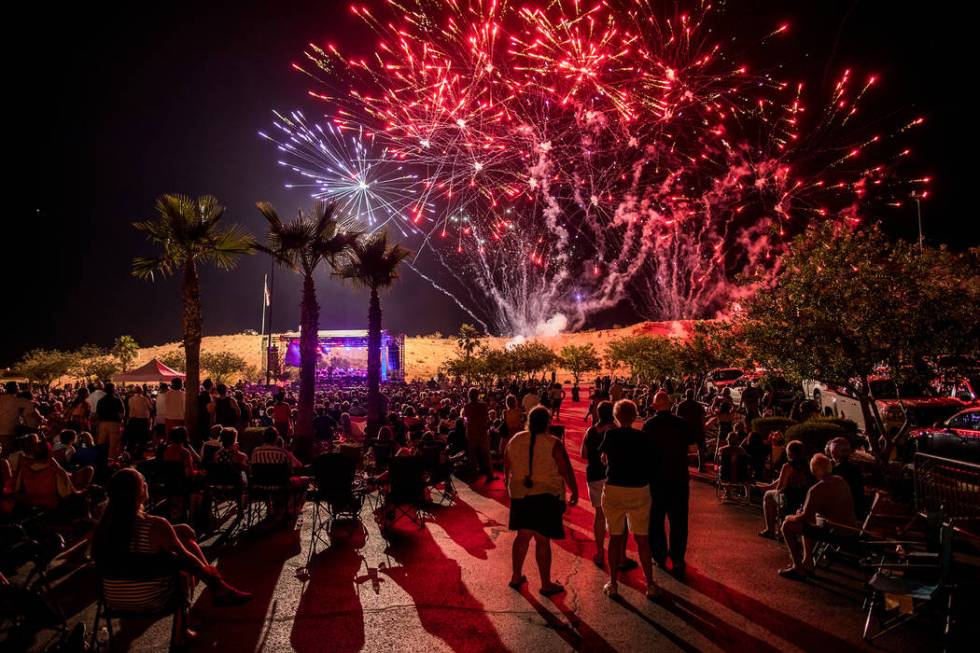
(6, 475)
(839, 450)
(25, 447)
(40, 482)
(733, 463)
(229, 454)
(178, 451)
(827, 516)
(211, 445)
(759, 450)
(87, 454)
(64, 449)
(125, 530)
(272, 452)
(786, 493)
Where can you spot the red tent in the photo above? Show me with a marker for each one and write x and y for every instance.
(152, 372)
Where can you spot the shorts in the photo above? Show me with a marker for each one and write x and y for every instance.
(623, 505)
(541, 513)
(595, 492)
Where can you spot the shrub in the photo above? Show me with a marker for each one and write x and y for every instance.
(814, 434)
(850, 426)
(766, 425)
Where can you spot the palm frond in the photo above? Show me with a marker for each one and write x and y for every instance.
(146, 267)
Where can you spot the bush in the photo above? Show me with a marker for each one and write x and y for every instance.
(814, 434)
(850, 426)
(766, 425)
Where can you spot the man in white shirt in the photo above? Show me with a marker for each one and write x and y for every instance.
(531, 400)
(175, 405)
(161, 405)
(95, 392)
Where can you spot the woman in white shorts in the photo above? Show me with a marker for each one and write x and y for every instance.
(626, 495)
(595, 474)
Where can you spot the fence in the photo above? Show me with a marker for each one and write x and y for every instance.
(950, 487)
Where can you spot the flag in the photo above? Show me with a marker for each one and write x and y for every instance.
(265, 290)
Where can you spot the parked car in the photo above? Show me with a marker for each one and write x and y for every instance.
(957, 438)
(723, 377)
(922, 403)
(784, 392)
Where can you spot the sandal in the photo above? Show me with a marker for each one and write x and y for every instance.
(610, 590)
(793, 573)
(555, 588)
(768, 534)
(654, 593)
(516, 584)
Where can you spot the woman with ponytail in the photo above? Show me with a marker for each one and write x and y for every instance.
(536, 471)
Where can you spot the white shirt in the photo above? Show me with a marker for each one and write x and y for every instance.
(531, 400)
(93, 399)
(175, 404)
(161, 407)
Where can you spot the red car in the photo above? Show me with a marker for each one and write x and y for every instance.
(958, 438)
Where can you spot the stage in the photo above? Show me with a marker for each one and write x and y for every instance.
(342, 353)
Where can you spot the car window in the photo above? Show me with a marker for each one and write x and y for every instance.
(966, 421)
(726, 375)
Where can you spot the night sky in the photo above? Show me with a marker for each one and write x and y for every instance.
(111, 107)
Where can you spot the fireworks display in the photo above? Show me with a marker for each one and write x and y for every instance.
(560, 159)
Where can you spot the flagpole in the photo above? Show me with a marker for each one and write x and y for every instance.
(265, 294)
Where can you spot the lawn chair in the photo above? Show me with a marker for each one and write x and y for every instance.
(225, 483)
(172, 483)
(269, 483)
(732, 481)
(405, 495)
(438, 472)
(337, 491)
(383, 451)
(136, 589)
(921, 579)
(825, 552)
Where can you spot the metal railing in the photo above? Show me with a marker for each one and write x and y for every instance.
(949, 487)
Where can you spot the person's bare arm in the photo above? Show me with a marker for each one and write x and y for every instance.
(565, 469)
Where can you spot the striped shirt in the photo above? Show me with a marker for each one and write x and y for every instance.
(270, 454)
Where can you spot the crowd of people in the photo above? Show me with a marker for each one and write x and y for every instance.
(62, 445)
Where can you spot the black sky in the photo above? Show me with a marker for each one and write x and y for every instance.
(110, 106)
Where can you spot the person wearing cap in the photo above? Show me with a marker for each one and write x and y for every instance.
(670, 438)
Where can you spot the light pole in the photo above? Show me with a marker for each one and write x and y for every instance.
(918, 209)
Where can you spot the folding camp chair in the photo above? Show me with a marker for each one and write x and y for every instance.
(225, 483)
(269, 483)
(405, 494)
(917, 579)
(135, 589)
(825, 552)
(336, 489)
(438, 472)
(732, 481)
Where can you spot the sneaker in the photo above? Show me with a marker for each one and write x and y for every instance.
(610, 590)
(792, 573)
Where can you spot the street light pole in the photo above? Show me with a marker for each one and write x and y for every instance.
(918, 208)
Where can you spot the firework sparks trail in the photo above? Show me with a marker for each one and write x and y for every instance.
(561, 159)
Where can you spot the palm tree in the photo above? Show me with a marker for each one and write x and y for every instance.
(373, 265)
(187, 233)
(302, 245)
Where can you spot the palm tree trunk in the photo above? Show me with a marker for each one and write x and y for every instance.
(374, 365)
(309, 324)
(192, 345)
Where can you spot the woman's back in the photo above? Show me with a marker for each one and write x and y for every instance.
(545, 476)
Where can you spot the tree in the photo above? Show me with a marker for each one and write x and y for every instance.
(302, 245)
(187, 234)
(646, 357)
(579, 359)
(223, 365)
(532, 357)
(126, 350)
(373, 264)
(175, 360)
(45, 365)
(851, 304)
(94, 362)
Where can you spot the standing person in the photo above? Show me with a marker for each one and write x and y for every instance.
(175, 405)
(751, 399)
(669, 485)
(110, 411)
(616, 391)
(138, 422)
(205, 412)
(477, 416)
(79, 412)
(530, 400)
(282, 416)
(536, 471)
(595, 474)
(557, 396)
(160, 412)
(692, 412)
(226, 410)
(513, 417)
(626, 495)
